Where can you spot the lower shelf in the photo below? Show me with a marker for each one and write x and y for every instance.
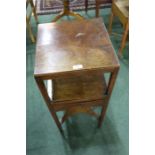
(81, 88)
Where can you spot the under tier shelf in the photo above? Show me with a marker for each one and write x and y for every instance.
(83, 88)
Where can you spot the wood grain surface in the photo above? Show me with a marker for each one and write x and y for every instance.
(63, 46)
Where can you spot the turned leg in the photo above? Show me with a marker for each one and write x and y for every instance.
(34, 11)
(35, 16)
(110, 23)
(124, 40)
(30, 31)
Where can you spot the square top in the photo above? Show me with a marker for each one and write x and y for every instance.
(70, 46)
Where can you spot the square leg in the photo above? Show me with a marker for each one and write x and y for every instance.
(111, 83)
(45, 95)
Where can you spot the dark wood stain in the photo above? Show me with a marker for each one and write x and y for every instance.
(74, 55)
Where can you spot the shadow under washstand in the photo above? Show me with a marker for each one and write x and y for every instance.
(81, 131)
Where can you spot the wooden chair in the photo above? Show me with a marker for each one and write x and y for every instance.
(28, 18)
(120, 8)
